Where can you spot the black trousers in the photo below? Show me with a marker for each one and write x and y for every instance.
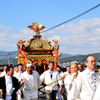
(51, 95)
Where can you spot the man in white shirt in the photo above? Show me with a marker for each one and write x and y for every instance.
(80, 67)
(86, 82)
(97, 93)
(18, 72)
(48, 77)
(59, 96)
(70, 79)
(68, 71)
(15, 70)
(9, 85)
(30, 87)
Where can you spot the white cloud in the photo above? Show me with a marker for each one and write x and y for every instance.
(24, 33)
(82, 37)
(4, 33)
(81, 27)
(5, 28)
(54, 38)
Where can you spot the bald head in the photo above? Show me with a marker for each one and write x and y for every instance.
(74, 68)
(90, 63)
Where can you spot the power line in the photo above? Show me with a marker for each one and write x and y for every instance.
(72, 18)
(9, 53)
(12, 53)
(3, 58)
(4, 55)
(7, 56)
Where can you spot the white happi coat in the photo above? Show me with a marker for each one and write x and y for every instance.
(69, 81)
(3, 74)
(97, 93)
(55, 76)
(85, 86)
(18, 74)
(58, 95)
(30, 87)
(66, 73)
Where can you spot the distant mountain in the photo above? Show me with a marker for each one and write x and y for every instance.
(4, 57)
(79, 58)
(63, 55)
(12, 61)
(4, 54)
(62, 59)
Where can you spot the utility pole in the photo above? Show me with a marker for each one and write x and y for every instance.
(8, 59)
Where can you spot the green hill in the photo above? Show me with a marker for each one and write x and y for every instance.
(79, 58)
(63, 59)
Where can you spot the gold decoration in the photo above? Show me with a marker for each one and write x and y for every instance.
(75, 76)
(21, 56)
(36, 27)
(36, 24)
(16, 57)
(54, 54)
(37, 48)
(39, 44)
(40, 57)
(59, 54)
(55, 60)
(22, 41)
(56, 45)
(28, 61)
(55, 41)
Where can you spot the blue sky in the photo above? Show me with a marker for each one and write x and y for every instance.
(80, 36)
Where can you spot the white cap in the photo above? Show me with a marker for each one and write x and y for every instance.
(29, 64)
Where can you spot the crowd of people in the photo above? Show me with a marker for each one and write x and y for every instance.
(76, 83)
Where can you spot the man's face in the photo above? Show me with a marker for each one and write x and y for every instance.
(11, 72)
(74, 68)
(19, 68)
(51, 66)
(68, 69)
(80, 67)
(91, 63)
(15, 69)
(29, 68)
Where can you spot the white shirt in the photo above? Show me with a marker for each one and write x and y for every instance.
(97, 93)
(3, 74)
(8, 81)
(69, 81)
(84, 86)
(14, 73)
(18, 74)
(66, 73)
(55, 76)
(90, 73)
(61, 74)
(31, 84)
